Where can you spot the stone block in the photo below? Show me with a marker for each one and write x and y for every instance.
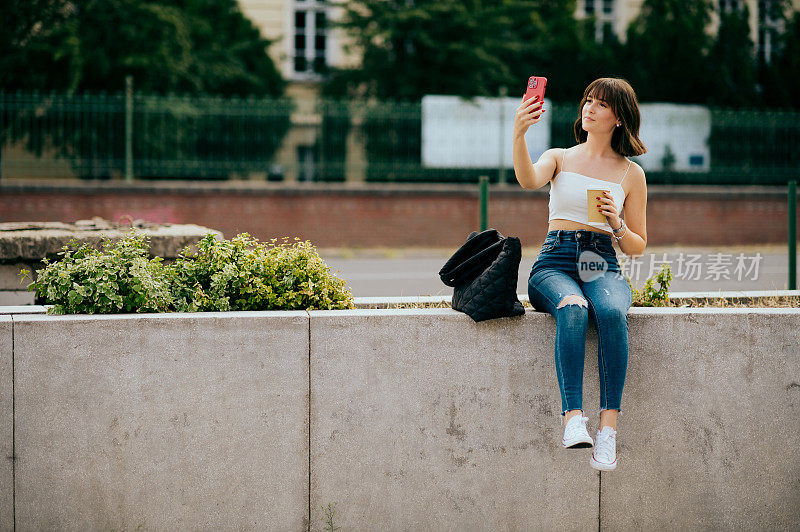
(6, 425)
(709, 438)
(168, 421)
(426, 420)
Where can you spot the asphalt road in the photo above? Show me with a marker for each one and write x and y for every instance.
(414, 272)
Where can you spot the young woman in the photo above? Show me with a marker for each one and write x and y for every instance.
(576, 275)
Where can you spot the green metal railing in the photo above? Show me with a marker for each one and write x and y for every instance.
(108, 135)
(135, 135)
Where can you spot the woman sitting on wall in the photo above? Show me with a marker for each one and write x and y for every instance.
(576, 274)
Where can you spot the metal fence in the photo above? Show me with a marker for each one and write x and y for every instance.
(111, 136)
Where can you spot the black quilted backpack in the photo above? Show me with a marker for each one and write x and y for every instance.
(483, 273)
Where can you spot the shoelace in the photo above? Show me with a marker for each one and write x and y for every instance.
(579, 426)
(605, 446)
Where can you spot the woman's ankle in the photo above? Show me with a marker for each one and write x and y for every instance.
(571, 413)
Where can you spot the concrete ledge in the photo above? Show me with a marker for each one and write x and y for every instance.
(737, 295)
(23, 309)
(387, 302)
(26, 243)
(417, 419)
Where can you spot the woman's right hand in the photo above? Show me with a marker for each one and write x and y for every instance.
(528, 113)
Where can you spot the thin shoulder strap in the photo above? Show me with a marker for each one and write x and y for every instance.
(563, 154)
(626, 171)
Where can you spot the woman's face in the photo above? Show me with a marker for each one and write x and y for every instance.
(597, 116)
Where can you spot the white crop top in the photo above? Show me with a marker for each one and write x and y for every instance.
(568, 196)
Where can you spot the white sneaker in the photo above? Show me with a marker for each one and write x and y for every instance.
(604, 456)
(575, 434)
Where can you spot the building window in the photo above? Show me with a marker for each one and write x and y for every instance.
(727, 6)
(603, 13)
(306, 155)
(769, 27)
(310, 37)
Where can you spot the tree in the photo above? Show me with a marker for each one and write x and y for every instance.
(183, 46)
(229, 53)
(731, 61)
(562, 48)
(473, 48)
(666, 49)
(410, 49)
(428, 47)
(780, 79)
(27, 24)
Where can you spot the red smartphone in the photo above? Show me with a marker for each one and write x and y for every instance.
(536, 86)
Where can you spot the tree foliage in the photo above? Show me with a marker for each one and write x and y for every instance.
(780, 79)
(666, 49)
(464, 48)
(180, 46)
(413, 48)
(731, 62)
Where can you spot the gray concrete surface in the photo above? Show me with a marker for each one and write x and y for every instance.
(13, 289)
(424, 420)
(6, 426)
(419, 419)
(467, 413)
(171, 422)
(23, 309)
(32, 241)
(709, 441)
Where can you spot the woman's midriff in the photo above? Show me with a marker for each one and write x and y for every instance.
(569, 225)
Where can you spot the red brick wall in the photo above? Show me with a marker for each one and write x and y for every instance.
(391, 216)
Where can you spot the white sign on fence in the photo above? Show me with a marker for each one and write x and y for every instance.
(676, 135)
(477, 133)
(459, 133)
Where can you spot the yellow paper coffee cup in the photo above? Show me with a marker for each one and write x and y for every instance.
(591, 204)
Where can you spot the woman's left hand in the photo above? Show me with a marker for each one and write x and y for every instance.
(608, 208)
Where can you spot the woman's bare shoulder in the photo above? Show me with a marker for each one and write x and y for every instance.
(637, 170)
(554, 152)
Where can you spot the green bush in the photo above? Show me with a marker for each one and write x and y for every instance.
(245, 274)
(118, 278)
(237, 274)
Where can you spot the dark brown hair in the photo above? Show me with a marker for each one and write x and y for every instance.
(619, 95)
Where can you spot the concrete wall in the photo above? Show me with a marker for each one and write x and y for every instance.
(393, 215)
(6, 424)
(423, 420)
(407, 419)
(166, 421)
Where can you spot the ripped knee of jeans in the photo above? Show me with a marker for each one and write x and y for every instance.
(573, 300)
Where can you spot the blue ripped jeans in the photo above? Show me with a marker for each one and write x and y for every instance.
(584, 263)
